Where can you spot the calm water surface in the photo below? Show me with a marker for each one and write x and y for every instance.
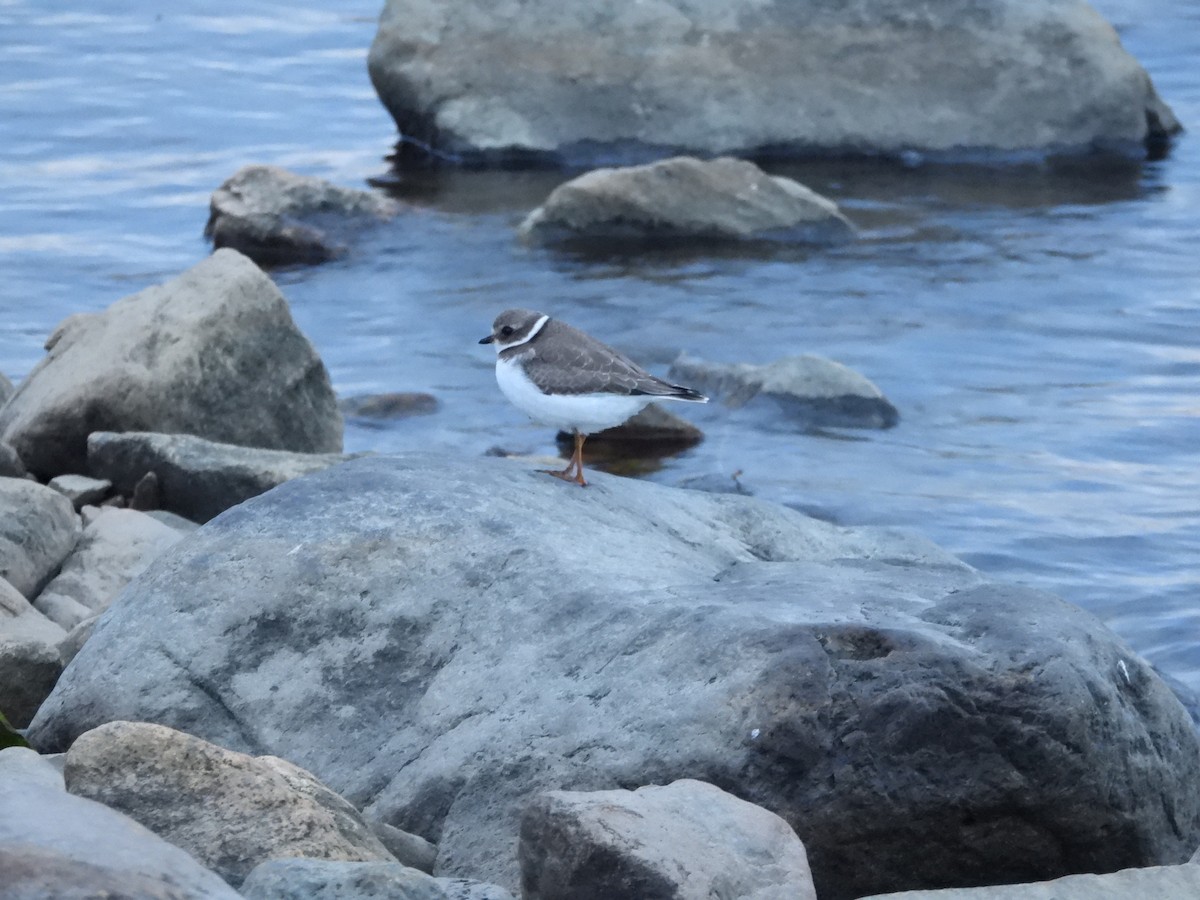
(1037, 326)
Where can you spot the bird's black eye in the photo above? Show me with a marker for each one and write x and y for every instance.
(506, 331)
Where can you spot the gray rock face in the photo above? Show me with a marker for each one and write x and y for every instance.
(229, 810)
(1159, 882)
(686, 839)
(439, 640)
(213, 353)
(115, 548)
(29, 657)
(277, 217)
(318, 879)
(721, 199)
(6, 388)
(38, 528)
(604, 79)
(197, 479)
(55, 845)
(810, 391)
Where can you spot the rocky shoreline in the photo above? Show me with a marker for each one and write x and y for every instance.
(236, 661)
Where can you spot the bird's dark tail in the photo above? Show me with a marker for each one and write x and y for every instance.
(679, 392)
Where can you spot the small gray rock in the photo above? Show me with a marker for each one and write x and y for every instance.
(55, 845)
(69, 646)
(319, 879)
(1156, 882)
(277, 217)
(29, 658)
(213, 352)
(810, 391)
(195, 478)
(38, 529)
(383, 407)
(683, 840)
(80, 490)
(114, 548)
(240, 809)
(722, 199)
(410, 849)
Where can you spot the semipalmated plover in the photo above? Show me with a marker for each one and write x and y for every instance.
(564, 378)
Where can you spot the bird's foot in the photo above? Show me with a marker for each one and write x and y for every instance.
(567, 474)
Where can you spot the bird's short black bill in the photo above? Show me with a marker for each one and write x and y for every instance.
(487, 340)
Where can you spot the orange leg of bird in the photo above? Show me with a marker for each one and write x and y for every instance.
(574, 469)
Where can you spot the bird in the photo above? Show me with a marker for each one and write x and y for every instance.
(562, 377)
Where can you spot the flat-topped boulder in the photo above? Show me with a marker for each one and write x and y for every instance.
(441, 639)
(213, 352)
(587, 82)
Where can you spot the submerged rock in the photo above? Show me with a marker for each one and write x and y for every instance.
(278, 218)
(609, 80)
(684, 198)
(811, 391)
(384, 407)
(213, 352)
(440, 639)
(686, 839)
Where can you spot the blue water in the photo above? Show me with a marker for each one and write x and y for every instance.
(1038, 327)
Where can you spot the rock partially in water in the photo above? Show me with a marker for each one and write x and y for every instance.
(213, 352)
(195, 478)
(231, 811)
(653, 433)
(29, 659)
(383, 407)
(685, 198)
(685, 839)
(279, 218)
(584, 83)
(53, 844)
(811, 391)
(439, 639)
(38, 529)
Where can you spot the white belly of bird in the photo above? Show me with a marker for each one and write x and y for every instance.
(586, 413)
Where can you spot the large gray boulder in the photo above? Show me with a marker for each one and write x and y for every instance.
(29, 657)
(682, 840)
(684, 198)
(54, 845)
(229, 810)
(277, 217)
(38, 529)
(439, 640)
(196, 478)
(115, 547)
(602, 79)
(213, 352)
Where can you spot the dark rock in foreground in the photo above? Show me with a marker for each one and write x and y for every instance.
(213, 352)
(583, 82)
(196, 479)
(684, 198)
(809, 391)
(441, 640)
(279, 218)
